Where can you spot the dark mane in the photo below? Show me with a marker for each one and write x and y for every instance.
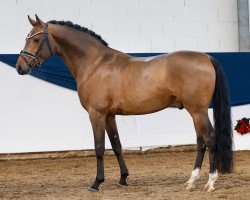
(79, 28)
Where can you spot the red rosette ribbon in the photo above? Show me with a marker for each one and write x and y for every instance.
(243, 126)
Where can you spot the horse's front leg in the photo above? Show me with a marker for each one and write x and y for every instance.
(112, 131)
(98, 125)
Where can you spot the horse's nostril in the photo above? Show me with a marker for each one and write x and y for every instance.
(20, 71)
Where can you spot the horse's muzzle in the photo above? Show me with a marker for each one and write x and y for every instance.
(21, 71)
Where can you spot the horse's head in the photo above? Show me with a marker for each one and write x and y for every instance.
(37, 48)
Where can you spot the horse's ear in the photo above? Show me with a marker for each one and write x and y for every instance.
(39, 21)
(32, 21)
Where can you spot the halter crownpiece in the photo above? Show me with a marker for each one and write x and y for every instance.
(35, 56)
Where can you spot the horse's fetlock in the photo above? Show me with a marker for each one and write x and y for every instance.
(100, 180)
(125, 175)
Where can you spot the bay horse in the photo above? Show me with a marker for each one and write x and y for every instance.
(111, 83)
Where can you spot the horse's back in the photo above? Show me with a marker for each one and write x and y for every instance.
(183, 78)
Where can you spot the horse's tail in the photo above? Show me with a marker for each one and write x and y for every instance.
(222, 121)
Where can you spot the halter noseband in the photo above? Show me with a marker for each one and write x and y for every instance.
(35, 56)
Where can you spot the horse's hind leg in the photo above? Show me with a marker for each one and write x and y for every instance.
(112, 131)
(201, 148)
(213, 173)
(205, 139)
(200, 123)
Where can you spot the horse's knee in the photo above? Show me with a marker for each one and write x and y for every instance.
(117, 152)
(116, 146)
(117, 149)
(99, 150)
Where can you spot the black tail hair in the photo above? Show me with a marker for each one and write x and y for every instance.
(222, 121)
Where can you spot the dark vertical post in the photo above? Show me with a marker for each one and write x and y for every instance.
(243, 24)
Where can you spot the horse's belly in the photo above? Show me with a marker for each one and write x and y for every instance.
(138, 106)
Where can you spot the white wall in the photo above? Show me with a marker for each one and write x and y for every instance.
(131, 25)
(38, 116)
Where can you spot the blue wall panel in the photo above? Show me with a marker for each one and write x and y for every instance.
(235, 65)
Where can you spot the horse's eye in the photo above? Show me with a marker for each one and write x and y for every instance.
(36, 40)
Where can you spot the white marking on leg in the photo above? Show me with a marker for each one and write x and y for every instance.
(194, 176)
(211, 180)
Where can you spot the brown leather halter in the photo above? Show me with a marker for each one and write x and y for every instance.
(35, 56)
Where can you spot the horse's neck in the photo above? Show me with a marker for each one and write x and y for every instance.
(78, 50)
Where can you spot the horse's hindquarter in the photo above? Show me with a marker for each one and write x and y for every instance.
(192, 78)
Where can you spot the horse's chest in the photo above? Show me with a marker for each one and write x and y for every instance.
(93, 97)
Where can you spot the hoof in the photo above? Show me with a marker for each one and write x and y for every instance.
(189, 186)
(122, 182)
(208, 189)
(122, 185)
(92, 189)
